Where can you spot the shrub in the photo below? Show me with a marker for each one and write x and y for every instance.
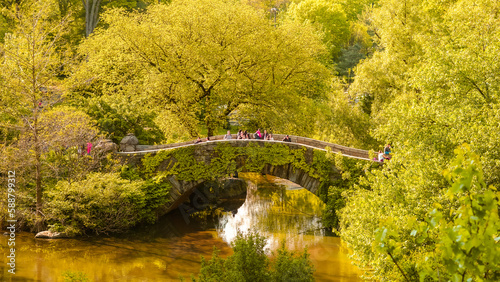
(290, 267)
(250, 263)
(102, 203)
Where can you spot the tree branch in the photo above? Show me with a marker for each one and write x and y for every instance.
(396, 263)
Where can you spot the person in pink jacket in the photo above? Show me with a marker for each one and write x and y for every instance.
(89, 148)
(257, 134)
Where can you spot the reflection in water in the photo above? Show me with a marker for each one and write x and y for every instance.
(161, 252)
(171, 247)
(281, 210)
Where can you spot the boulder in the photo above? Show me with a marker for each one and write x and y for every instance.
(129, 143)
(50, 235)
(106, 145)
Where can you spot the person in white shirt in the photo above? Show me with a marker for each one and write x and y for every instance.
(380, 156)
(228, 135)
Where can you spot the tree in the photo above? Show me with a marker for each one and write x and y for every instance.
(65, 6)
(466, 240)
(353, 9)
(116, 119)
(343, 122)
(64, 132)
(447, 93)
(200, 61)
(11, 3)
(30, 63)
(266, 6)
(93, 8)
(328, 17)
(434, 87)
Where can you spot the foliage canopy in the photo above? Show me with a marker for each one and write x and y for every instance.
(198, 62)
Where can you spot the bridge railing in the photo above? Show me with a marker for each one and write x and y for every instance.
(348, 151)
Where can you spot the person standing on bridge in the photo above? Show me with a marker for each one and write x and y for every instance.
(287, 139)
(228, 136)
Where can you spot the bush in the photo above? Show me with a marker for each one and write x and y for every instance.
(289, 267)
(250, 263)
(103, 203)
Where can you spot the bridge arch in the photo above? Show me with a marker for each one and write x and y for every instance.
(187, 165)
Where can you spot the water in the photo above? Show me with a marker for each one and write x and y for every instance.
(171, 248)
(282, 211)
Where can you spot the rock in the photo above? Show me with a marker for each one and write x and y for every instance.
(106, 145)
(50, 235)
(129, 143)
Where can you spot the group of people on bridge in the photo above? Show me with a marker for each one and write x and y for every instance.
(257, 135)
(386, 155)
(244, 135)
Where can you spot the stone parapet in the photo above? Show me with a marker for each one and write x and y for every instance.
(317, 144)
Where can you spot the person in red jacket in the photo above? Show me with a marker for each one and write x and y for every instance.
(89, 148)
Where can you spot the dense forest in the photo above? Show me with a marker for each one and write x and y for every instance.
(420, 75)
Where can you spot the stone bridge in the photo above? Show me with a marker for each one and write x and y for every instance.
(297, 169)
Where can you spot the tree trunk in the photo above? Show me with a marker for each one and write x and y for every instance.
(38, 165)
(91, 15)
(37, 145)
(38, 177)
(210, 129)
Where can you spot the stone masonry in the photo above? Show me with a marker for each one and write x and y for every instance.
(203, 152)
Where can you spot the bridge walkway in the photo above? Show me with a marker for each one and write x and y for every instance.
(303, 141)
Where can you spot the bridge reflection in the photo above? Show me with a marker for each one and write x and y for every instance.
(278, 209)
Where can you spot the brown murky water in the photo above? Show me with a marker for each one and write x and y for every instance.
(276, 208)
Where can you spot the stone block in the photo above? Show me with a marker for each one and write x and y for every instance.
(175, 183)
